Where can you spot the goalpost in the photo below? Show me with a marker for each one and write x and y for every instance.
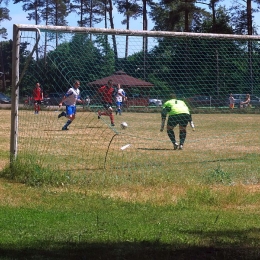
(202, 69)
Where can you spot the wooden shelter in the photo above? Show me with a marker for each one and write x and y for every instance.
(128, 83)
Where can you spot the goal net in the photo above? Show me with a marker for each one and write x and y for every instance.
(201, 69)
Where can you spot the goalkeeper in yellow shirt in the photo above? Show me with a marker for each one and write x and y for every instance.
(179, 114)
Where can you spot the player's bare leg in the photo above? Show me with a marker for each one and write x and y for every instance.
(108, 112)
(36, 107)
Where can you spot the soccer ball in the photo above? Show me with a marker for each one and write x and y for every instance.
(124, 125)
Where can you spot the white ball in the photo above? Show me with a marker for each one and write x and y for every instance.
(124, 125)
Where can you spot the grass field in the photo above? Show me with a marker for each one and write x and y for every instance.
(77, 195)
(226, 145)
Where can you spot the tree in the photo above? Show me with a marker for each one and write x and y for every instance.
(130, 10)
(33, 9)
(109, 10)
(81, 58)
(173, 15)
(243, 23)
(5, 63)
(87, 11)
(55, 13)
(4, 15)
(58, 10)
(186, 7)
(220, 24)
(242, 16)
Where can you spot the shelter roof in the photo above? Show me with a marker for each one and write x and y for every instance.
(120, 77)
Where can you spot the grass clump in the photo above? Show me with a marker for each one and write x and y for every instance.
(219, 176)
(32, 174)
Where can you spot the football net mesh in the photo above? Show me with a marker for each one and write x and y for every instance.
(201, 71)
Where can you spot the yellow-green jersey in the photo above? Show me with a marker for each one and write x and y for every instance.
(175, 107)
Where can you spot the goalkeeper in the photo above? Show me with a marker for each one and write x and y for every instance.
(179, 114)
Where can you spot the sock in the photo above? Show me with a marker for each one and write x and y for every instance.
(171, 136)
(182, 136)
(67, 124)
(111, 118)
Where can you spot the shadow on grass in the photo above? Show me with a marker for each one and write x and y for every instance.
(60, 130)
(154, 149)
(128, 250)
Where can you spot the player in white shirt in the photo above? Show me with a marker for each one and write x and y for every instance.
(231, 101)
(70, 99)
(120, 97)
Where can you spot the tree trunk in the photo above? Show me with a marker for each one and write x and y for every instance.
(249, 17)
(2, 75)
(145, 44)
(127, 28)
(250, 32)
(110, 12)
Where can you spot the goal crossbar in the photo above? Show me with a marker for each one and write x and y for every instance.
(29, 27)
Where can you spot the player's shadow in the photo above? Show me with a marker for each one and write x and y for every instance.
(59, 130)
(154, 149)
(205, 161)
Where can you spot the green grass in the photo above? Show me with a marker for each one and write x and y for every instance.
(205, 205)
(68, 224)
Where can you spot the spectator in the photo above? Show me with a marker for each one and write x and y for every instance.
(37, 97)
(245, 103)
(231, 101)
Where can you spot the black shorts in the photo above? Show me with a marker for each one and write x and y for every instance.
(37, 102)
(180, 119)
(107, 105)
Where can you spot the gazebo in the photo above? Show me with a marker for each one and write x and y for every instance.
(128, 83)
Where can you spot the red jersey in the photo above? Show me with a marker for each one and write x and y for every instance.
(37, 93)
(107, 94)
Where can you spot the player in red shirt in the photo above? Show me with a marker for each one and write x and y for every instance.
(106, 93)
(37, 97)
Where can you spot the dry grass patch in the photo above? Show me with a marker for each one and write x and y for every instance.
(157, 195)
(18, 195)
